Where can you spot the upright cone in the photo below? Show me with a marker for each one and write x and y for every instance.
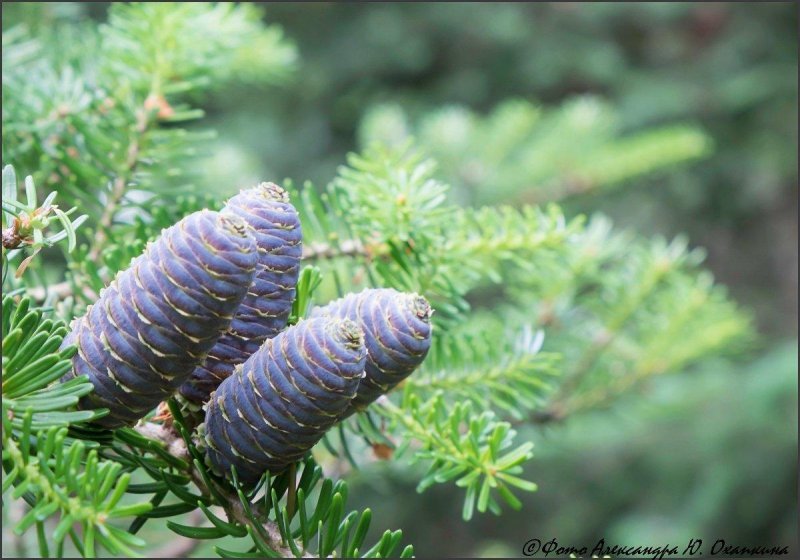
(280, 402)
(266, 307)
(397, 335)
(159, 318)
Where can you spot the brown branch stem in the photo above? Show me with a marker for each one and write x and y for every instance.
(347, 248)
(120, 184)
(60, 290)
(233, 507)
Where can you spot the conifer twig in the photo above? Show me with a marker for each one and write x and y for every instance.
(608, 334)
(347, 248)
(234, 509)
(120, 183)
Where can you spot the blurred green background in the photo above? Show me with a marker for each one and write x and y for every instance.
(730, 68)
(708, 454)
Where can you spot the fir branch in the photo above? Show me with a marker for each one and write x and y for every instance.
(36, 479)
(606, 335)
(121, 182)
(98, 118)
(392, 206)
(503, 372)
(265, 521)
(473, 449)
(535, 154)
(234, 509)
(635, 310)
(57, 485)
(681, 339)
(29, 222)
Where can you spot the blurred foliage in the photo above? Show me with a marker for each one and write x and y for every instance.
(101, 119)
(729, 69)
(708, 455)
(725, 65)
(96, 113)
(521, 151)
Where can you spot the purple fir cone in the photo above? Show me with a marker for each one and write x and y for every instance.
(160, 317)
(397, 335)
(266, 307)
(280, 402)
